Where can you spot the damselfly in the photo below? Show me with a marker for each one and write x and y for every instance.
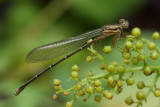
(62, 47)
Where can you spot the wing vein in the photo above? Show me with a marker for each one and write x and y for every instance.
(55, 49)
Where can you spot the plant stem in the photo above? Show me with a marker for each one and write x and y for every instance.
(97, 54)
(153, 85)
(147, 41)
(102, 75)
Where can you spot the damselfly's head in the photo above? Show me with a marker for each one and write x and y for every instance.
(124, 23)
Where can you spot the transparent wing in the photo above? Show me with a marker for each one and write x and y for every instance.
(55, 49)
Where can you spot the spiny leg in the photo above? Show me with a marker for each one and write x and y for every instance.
(117, 48)
(124, 33)
(116, 38)
(120, 42)
(122, 38)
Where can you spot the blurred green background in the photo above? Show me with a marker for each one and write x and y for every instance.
(27, 24)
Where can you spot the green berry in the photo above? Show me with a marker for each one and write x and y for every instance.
(155, 35)
(90, 74)
(107, 94)
(130, 81)
(124, 49)
(90, 41)
(69, 104)
(121, 69)
(156, 92)
(57, 88)
(110, 68)
(119, 90)
(66, 93)
(126, 55)
(130, 38)
(97, 98)
(114, 63)
(89, 59)
(54, 96)
(129, 101)
(119, 83)
(74, 74)
(78, 86)
(158, 72)
(147, 71)
(139, 45)
(135, 61)
(136, 32)
(107, 49)
(151, 45)
(112, 85)
(81, 93)
(126, 61)
(141, 57)
(99, 89)
(154, 55)
(56, 82)
(102, 66)
(97, 83)
(75, 68)
(129, 44)
(110, 79)
(140, 85)
(140, 95)
(89, 89)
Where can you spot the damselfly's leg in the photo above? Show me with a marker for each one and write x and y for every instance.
(116, 38)
(124, 33)
(118, 48)
(120, 42)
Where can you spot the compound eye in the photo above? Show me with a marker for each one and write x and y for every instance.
(121, 21)
(126, 24)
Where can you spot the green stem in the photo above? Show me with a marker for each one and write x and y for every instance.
(97, 54)
(150, 89)
(102, 75)
(147, 41)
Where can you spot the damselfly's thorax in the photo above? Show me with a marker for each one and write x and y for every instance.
(117, 30)
(111, 28)
(123, 24)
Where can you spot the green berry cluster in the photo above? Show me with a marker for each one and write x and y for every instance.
(111, 79)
